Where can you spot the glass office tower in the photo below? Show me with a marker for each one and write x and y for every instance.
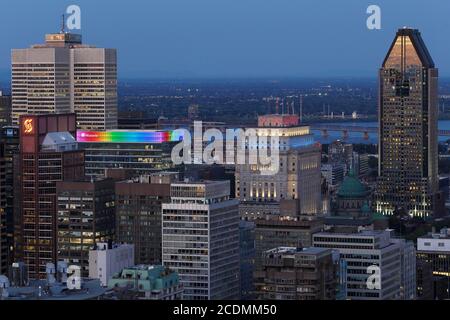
(408, 155)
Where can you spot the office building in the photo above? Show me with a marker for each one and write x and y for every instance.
(365, 252)
(297, 182)
(146, 282)
(247, 261)
(333, 173)
(408, 155)
(9, 150)
(291, 273)
(284, 231)
(434, 250)
(138, 214)
(424, 278)
(85, 216)
(341, 153)
(48, 154)
(201, 239)
(3, 243)
(143, 152)
(108, 258)
(5, 110)
(360, 164)
(62, 76)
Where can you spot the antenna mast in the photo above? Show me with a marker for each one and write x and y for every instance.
(63, 23)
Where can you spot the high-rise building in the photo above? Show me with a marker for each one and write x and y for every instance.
(291, 273)
(201, 239)
(333, 173)
(247, 261)
(276, 231)
(297, 182)
(9, 144)
(5, 110)
(48, 154)
(408, 155)
(138, 214)
(366, 251)
(434, 250)
(85, 216)
(62, 76)
(142, 151)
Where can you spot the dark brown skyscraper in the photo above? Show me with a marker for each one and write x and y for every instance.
(408, 171)
(48, 154)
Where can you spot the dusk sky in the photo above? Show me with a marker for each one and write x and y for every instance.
(234, 38)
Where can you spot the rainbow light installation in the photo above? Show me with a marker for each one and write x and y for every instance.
(130, 136)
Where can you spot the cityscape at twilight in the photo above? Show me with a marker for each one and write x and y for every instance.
(189, 155)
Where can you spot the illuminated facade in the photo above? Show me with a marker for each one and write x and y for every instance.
(85, 217)
(295, 189)
(433, 250)
(48, 154)
(63, 75)
(408, 169)
(144, 152)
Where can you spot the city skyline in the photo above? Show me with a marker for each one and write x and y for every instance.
(278, 42)
(128, 192)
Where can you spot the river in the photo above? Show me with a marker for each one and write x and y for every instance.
(357, 137)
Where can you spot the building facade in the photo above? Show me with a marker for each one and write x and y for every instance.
(408, 166)
(200, 235)
(143, 152)
(62, 76)
(5, 110)
(373, 253)
(291, 273)
(106, 259)
(139, 214)
(297, 182)
(86, 216)
(284, 232)
(48, 154)
(433, 250)
(9, 150)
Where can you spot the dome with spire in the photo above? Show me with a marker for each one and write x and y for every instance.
(352, 188)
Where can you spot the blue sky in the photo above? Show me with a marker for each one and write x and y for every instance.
(235, 38)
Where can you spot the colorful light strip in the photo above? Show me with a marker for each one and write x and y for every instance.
(129, 136)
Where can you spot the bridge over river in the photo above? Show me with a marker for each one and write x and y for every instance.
(365, 131)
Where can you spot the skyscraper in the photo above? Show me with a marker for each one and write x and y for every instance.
(48, 154)
(138, 214)
(366, 249)
(200, 239)
(85, 217)
(63, 75)
(408, 169)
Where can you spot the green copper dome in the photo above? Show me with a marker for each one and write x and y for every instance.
(352, 187)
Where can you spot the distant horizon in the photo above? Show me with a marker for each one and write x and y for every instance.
(200, 39)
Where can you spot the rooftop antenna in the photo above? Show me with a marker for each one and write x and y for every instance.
(63, 24)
